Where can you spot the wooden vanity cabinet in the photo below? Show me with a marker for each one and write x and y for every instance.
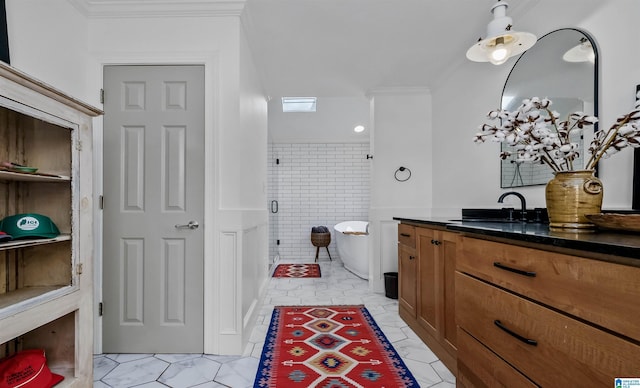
(407, 270)
(427, 258)
(46, 284)
(529, 316)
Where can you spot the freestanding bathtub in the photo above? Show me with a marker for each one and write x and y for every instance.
(352, 242)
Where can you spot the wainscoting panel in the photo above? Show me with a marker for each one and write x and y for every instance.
(228, 279)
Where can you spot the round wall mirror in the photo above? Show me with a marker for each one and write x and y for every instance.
(562, 66)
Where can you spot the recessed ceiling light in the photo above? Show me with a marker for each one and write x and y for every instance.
(298, 104)
(358, 128)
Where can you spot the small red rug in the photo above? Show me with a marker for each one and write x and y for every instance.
(297, 271)
(329, 346)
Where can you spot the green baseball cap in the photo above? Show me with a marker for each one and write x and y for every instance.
(29, 225)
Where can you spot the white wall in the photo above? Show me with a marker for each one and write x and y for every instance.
(233, 216)
(333, 121)
(615, 29)
(402, 137)
(48, 40)
(251, 158)
(58, 44)
(468, 174)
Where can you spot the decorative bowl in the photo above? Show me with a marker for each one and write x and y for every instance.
(615, 221)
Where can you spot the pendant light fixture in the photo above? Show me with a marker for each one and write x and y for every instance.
(583, 52)
(501, 42)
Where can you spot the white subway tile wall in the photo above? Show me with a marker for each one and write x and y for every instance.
(315, 184)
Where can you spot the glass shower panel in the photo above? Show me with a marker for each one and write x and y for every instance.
(273, 205)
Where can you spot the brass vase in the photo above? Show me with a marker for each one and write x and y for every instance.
(571, 195)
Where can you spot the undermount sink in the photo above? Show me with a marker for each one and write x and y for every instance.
(499, 220)
(503, 215)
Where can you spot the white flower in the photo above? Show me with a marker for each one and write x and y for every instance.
(537, 134)
(565, 148)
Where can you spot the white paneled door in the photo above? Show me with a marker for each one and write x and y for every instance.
(153, 209)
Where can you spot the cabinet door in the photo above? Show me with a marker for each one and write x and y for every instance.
(428, 280)
(407, 267)
(436, 285)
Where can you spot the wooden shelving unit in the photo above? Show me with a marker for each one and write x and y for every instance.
(46, 285)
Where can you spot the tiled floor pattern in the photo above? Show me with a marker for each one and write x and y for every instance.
(336, 286)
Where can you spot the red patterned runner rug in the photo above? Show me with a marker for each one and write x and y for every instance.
(297, 271)
(329, 346)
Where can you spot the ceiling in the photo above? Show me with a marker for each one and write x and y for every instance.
(344, 48)
(348, 48)
(341, 50)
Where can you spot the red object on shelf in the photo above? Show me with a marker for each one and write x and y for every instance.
(27, 369)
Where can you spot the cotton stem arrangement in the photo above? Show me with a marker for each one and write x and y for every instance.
(536, 134)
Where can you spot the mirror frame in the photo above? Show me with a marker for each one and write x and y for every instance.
(635, 194)
(596, 91)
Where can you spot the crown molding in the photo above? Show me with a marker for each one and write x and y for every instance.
(158, 8)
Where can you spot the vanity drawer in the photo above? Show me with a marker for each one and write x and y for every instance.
(600, 292)
(566, 353)
(480, 367)
(407, 235)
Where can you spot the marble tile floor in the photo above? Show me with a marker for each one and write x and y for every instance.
(336, 286)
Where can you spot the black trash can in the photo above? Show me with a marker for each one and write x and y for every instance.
(391, 285)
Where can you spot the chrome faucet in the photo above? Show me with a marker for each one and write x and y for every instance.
(523, 202)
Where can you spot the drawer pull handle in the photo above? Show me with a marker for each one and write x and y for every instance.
(516, 335)
(405, 235)
(514, 270)
(411, 257)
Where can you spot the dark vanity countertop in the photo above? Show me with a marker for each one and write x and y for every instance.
(624, 245)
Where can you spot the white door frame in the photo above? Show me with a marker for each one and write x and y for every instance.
(210, 60)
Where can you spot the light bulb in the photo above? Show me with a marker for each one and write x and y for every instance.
(358, 128)
(500, 52)
(502, 42)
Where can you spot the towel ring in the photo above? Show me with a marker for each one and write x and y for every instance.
(402, 169)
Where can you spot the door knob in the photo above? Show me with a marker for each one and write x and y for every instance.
(190, 225)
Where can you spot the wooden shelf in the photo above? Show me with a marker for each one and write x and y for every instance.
(25, 298)
(32, 177)
(33, 242)
(39, 312)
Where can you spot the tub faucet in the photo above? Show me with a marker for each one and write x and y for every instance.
(523, 202)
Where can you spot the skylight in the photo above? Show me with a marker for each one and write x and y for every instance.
(298, 104)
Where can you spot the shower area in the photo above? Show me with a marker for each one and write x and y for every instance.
(314, 184)
(274, 205)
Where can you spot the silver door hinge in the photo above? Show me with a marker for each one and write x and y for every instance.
(79, 268)
(100, 309)
(102, 96)
(101, 202)
(79, 145)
